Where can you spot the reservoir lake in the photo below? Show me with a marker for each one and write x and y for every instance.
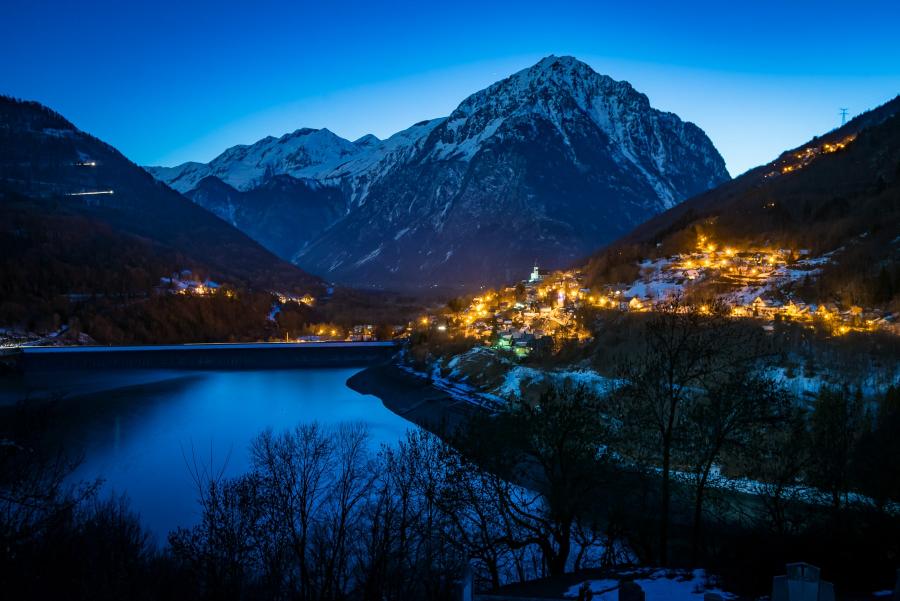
(143, 431)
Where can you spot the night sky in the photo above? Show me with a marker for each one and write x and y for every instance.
(165, 82)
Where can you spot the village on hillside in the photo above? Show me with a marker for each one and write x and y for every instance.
(546, 309)
(795, 161)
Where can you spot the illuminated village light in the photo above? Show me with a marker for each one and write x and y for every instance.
(505, 319)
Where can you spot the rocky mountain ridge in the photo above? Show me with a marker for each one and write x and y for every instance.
(547, 164)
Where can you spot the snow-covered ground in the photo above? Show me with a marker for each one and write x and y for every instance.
(468, 372)
(459, 391)
(670, 276)
(484, 371)
(13, 337)
(463, 383)
(874, 383)
(520, 377)
(665, 585)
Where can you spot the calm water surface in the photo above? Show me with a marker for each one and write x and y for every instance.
(141, 430)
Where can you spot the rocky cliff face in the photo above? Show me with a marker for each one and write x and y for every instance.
(548, 165)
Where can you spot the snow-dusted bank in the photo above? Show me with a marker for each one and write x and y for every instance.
(417, 398)
(483, 380)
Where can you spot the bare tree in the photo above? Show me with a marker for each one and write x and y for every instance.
(36, 491)
(685, 351)
(293, 469)
(350, 484)
(546, 463)
(725, 416)
(322, 517)
(777, 459)
(223, 550)
(836, 425)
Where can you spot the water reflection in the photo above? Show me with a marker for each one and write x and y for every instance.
(140, 431)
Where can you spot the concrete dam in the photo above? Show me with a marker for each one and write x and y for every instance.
(274, 355)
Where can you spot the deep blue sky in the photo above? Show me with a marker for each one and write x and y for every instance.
(167, 81)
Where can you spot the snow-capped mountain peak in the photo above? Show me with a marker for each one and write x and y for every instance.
(300, 154)
(564, 92)
(555, 160)
(367, 140)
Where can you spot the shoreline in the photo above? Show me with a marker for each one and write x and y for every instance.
(413, 397)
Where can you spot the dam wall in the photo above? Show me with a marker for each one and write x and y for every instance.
(204, 356)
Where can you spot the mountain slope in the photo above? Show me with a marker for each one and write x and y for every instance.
(282, 213)
(546, 165)
(46, 159)
(742, 190)
(543, 165)
(839, 193)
